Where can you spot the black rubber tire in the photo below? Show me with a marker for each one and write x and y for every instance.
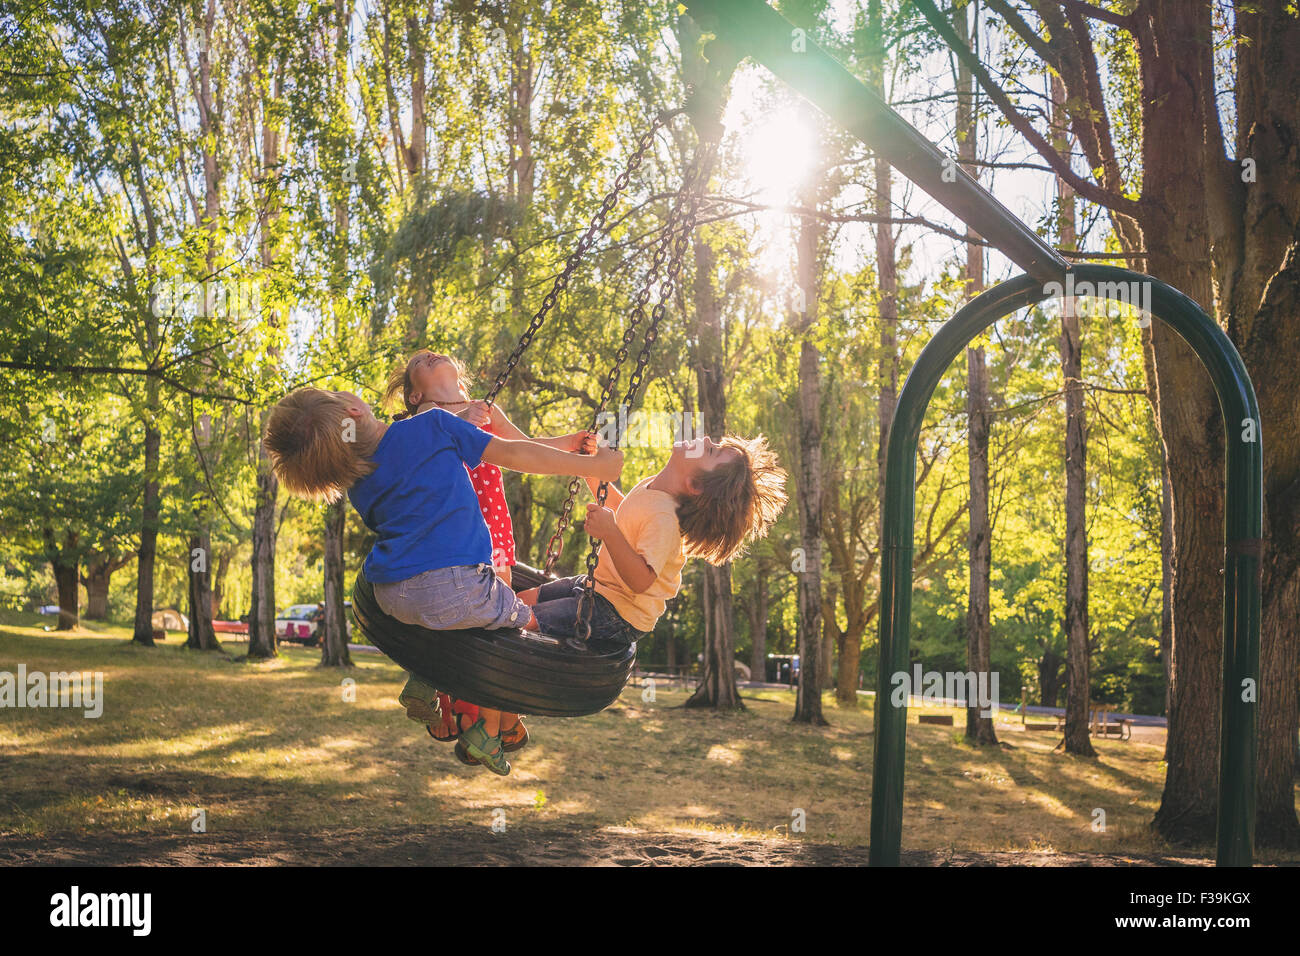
(511, 670)
(522, 577)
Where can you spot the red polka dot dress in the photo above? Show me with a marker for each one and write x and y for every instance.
(486, 479)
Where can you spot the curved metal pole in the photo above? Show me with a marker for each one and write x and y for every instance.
(1243, 523)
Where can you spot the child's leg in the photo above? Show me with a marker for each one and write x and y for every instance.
(555, 605)
(558, 616)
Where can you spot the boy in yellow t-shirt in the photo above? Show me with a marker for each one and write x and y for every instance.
(707, 501)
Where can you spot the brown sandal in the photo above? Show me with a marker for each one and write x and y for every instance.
(516, 738)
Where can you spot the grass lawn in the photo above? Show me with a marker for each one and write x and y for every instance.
(275, 747)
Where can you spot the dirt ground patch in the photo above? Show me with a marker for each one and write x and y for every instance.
(456, 846)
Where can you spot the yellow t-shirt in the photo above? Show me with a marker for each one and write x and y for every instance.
(648, 519)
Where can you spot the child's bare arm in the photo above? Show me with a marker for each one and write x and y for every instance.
(538, 459)
(613, 496)
(577, 442)
(504, 427)
(635, 571)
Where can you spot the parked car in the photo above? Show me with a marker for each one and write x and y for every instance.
(300, 623)
(48, 609)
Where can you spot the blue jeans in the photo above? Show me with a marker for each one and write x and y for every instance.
(557, 613)
(453, 598)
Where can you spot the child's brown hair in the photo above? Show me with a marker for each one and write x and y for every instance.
(315, 447)
(737, 501)
(397, 391)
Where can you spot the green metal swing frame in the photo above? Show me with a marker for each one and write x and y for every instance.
(752, 28)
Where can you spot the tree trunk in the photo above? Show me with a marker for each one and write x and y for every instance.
(717, 688)
(1166, 582)
(143, 628)
(979, 540)
(849, 673)
(1078, 686)
(979, 728)
(1078, 696)
(65, 580)
(1177, 237)
(100, 566)
(1049, 679)
(334, 639)
(63, 562)
(1263, 280)
(808, 699)
(201, 636)
(97, 581)
(262, 641)
(758, 623)
(846, 690)
(830, 633)
(671, 656)
(261, 619)
(219, 583)
(413, 157)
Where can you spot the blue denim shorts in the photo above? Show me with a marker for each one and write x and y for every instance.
(557, 613)
(455, 598)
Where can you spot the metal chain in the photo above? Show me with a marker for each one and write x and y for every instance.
(596, 226)
(681, 240)
(674, 224)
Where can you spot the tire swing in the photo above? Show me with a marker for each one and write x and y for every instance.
(522, 671)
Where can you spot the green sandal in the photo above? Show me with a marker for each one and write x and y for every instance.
(487, 750)
(421, 701)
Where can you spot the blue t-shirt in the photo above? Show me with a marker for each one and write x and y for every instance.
(419, 500)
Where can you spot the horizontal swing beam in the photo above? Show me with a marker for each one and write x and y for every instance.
(752, 28)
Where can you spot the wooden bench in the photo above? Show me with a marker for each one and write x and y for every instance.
(1102, 723)
(943, 720)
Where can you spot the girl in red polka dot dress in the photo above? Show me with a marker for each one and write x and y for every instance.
(430, 379)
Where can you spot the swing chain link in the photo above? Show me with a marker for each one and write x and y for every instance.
(596, 226)
(678, 232)
(555, 545)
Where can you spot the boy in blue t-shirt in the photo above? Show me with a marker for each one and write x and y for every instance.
(431, 563)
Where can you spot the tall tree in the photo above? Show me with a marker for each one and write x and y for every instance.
(887, 361)
(202, 636)
(979, 536)
(757, 608)
(717, 687)
(1225, 199)
(269, 134)
(1078, 651)
(808, 699)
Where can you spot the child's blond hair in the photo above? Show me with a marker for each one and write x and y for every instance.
(397, 391)
(737, 501)
(316, 450)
